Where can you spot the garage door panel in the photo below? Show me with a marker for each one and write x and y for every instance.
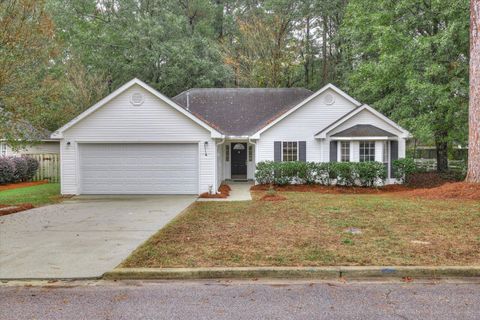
(139, 168)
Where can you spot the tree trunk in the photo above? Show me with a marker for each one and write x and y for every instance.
(473, 173)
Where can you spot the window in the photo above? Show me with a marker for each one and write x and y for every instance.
(367, 151)
(385, 151)
(345, 151)
(227, 152)
(290, 151)
(3, 149)
(250, 153)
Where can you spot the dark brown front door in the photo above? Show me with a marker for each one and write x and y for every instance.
(239, 159)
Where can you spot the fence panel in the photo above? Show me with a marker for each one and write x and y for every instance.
(49, 167)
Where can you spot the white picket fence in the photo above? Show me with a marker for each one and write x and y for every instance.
(49, 167)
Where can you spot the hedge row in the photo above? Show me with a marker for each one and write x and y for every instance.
(366, 174)
(17, 169)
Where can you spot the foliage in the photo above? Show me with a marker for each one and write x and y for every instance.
(17, 169)
(21, 169)
(409, 59)
(368, 174)
(404, 168)
(7, 170)
(32, 167)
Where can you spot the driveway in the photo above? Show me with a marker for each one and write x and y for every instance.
(83, 237)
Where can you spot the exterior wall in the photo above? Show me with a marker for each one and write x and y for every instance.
(40, 148)
(366, 117)
(303, 124)
(118, 121)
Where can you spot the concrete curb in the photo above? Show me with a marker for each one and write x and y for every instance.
(348, 272)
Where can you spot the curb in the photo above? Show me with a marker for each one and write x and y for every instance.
(349, 272)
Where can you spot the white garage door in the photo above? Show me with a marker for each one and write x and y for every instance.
(138, 168)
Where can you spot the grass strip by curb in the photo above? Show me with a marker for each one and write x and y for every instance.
(349, 272)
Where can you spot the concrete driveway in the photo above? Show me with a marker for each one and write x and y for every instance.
(83, 237)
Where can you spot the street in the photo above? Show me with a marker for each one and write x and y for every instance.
(274, 299)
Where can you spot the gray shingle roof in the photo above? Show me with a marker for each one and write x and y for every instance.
(240, 111)
(363, 130)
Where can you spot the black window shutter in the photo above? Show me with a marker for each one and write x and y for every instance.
(393, 155)
(302, 151)
(277, 151)
(333, 151)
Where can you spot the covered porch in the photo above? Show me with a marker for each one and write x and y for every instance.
(236, 160)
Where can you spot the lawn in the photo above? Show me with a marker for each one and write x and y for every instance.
(36, 195)
(308, 229)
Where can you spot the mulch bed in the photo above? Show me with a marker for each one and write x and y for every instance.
(223, 192)
(332, 189)
(21, 185)
(430, 185)
(9, 209)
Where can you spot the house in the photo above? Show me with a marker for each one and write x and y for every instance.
(39, 142)
(138, 141)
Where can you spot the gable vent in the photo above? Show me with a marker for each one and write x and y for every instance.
(329, 98)
(137, 99)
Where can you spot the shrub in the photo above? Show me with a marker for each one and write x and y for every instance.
(7, 170)
(343, 173)
(21, 169)
(32, 167)
(403, 169)
(370, 173)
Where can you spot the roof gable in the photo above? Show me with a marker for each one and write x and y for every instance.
(59, 133)
(329, 86)
(323, 133)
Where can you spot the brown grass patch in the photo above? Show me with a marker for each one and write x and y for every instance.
(21, 185)
(272, 197)
(308, 229)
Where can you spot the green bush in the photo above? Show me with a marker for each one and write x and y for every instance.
(366, 174)
(403, 169)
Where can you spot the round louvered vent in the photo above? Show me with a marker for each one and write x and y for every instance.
(329, 98)
(137, 98)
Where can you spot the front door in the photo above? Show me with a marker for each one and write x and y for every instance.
(239, 160)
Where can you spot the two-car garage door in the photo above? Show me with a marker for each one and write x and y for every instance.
(133, 168)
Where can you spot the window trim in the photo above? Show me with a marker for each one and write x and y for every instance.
(370, 143)
(298, 150)
(340, 146)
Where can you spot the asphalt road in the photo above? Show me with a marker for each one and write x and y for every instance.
(240, 300)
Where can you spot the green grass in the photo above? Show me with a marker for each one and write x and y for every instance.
(309, 229)
(36, 195)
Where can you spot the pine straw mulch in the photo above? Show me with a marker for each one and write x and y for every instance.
(11, 186)
(428, 185)
(223, 192)
(14, 208)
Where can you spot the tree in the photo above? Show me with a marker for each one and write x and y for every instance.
(27, 80)
(473, 173)
(410, 60)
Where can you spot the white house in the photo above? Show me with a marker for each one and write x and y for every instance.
(138, 141)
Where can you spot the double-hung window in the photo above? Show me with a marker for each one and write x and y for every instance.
(290, 151)
(345, 151)
(367, 151)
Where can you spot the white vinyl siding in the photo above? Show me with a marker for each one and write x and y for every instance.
(135, 168)
(118, 121)
(303, 124)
